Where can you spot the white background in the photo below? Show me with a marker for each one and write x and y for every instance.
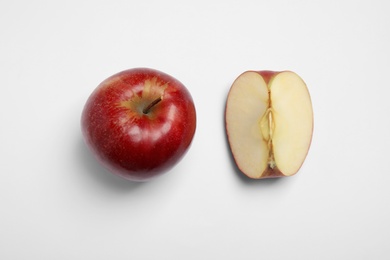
(56, 202)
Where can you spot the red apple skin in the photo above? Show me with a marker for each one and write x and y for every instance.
(267, 74)
(130, 143)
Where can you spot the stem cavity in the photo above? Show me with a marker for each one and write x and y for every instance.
(147, 109)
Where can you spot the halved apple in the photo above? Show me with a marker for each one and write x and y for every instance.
(269, 123)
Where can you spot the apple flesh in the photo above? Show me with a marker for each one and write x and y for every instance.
(139, 123)
(269, 123)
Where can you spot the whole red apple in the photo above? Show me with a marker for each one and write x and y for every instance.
(139, 123)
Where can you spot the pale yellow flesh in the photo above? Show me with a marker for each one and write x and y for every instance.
(247, 102)
(249, 105)
(293, 117)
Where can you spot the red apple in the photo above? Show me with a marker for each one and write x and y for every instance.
(139, 123)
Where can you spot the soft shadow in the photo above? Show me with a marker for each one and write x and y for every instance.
(239, 174)
(93, 171)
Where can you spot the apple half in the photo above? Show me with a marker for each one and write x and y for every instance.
(269, 123)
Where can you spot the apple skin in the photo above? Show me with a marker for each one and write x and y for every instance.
(130, 143)
(266, 74)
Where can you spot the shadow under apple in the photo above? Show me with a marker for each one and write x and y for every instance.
(97, 173)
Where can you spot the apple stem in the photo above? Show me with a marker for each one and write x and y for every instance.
(155, 102)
